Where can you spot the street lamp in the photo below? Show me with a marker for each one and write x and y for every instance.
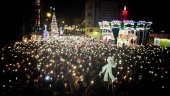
(48, 14)
(48, 20)
(62, 22)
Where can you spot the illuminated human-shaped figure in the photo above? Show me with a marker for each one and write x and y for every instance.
(108, 69)
(45, 33)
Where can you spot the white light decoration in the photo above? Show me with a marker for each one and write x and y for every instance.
(163, 86)
(92, 82)
(2, 58)
(47, 77)
(166, 72)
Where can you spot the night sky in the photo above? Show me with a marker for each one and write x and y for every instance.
(18, 11)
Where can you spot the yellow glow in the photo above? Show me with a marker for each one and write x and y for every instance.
(63, 22)
(48, 14)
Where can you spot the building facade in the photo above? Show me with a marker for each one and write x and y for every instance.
(37, 16)
(99, 10)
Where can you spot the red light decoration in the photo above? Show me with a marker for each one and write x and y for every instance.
(124, 14)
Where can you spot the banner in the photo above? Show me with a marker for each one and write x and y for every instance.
(163, 42)
(168, 43)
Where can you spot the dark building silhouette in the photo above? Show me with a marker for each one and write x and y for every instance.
(100, 10)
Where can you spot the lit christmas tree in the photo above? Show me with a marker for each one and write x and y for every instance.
(54, 26)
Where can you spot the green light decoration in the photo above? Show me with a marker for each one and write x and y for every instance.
(95, 34)
(163, 42)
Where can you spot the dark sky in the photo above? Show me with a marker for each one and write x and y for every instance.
(67, 8)
(155, 11)
(15, 10)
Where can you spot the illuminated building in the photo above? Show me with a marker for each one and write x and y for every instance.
(37, 15)
(132, 33)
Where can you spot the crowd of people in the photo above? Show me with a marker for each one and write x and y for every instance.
(70, 66)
